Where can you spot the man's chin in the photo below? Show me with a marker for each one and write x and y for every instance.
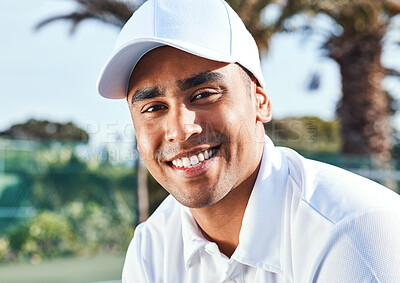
(198, 201)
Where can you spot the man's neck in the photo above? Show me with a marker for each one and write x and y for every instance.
(221, 222)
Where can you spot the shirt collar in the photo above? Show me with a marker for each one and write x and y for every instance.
(261, 235)
(260, 238)
(193, 238)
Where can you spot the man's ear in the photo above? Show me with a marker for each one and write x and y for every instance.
(264, 113)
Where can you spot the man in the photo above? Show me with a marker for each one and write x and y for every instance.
(240, 210)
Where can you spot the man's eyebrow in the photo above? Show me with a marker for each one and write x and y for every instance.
(199, 79)
(146, 93)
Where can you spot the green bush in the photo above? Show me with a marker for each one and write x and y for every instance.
(80, 228)
(99, 228)
(46, 235)
(4, 249)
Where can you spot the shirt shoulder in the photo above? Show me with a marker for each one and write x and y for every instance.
(347, 224)
(336, 193)
(363, 247)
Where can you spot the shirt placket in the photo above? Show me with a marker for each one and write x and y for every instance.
(233, 272)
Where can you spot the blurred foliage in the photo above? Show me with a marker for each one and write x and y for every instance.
(305, 134)
(114, 12)
(47, 234)
(396, 151)
(77, 229)
(53, 176)
(156, 193)
(4, 249)
(45, 130)
(53, 202)
(98, 228)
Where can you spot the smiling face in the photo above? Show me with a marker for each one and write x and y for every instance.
(197, 124)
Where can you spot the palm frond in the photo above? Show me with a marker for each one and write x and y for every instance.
(114, 12)
(392, 72)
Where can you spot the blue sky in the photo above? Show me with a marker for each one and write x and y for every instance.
(52, 75)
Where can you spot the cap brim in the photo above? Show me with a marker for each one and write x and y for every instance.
(114, 77)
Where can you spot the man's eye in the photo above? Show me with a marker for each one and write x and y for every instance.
(203, 95)
(154, 108)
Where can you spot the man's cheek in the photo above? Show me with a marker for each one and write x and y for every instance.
(145, 147)
(148, 133)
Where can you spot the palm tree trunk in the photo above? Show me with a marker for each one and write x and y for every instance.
(364, 108)
(142, 208)
(143, 192)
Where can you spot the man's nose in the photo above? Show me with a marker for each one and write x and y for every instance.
(181, 125)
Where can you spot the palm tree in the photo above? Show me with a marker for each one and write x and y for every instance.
(364, 107)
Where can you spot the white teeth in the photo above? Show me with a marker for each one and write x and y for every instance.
(193, 160)
(201, 157)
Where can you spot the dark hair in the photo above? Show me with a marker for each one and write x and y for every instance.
(248, 73)
(247, 77)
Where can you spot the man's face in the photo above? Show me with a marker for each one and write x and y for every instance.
(197, 124)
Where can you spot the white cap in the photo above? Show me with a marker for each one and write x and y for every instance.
(206, 28)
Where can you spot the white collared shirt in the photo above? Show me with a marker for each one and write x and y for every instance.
(305, 221)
